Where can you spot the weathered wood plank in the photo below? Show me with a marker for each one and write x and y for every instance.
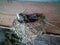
(7, 20)
(50, 10)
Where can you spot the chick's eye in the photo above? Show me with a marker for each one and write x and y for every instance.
(33, 17)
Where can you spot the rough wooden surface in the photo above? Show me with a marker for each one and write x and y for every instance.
(6, 20)
(8, 12)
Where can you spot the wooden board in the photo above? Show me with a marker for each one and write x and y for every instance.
(6, 20)
(50, 10)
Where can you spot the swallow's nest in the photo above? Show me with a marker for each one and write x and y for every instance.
(28, 31)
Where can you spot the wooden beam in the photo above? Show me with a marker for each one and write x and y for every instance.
(6, 20)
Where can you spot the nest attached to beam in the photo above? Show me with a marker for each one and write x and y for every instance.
(29, 26)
